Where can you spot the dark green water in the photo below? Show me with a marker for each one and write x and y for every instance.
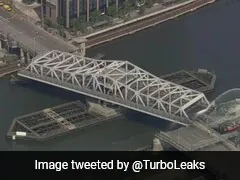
(208, 38)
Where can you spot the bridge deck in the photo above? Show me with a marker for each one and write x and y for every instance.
(198, 137)
(118, 82)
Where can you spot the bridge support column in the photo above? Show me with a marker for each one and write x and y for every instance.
(80, 43)
(28, 58)
(0, 44)
(82, 48)
(22, 58)
(157, 145)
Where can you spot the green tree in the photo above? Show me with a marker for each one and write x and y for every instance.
(60, 21)
(72, 23)
(48, 22)
(112, 11)
(78, 25)
(94, 16)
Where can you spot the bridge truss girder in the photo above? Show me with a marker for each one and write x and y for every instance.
(119, 79)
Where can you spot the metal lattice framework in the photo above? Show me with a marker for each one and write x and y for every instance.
(118, 82)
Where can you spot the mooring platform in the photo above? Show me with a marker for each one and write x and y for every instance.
(201, 80)
(55, 121)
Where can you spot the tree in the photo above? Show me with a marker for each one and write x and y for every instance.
(94, 16)
(112, 11)
(60, 21)
(78, 24)
(72, 23)
(48, 22)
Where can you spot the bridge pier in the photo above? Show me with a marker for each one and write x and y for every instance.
(157, 145)
(80, 43)
(5, 43)
(28, 59)
(22, 57)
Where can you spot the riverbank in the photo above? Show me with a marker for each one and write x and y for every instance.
(9, 69)
(144, 22)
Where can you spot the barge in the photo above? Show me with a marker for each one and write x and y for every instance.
(200, 80)
(52, 122)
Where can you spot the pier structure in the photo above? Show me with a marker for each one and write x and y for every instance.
(200, 80)
(118, 82)
(58, 120)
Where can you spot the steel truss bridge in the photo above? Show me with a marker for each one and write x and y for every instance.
(117, 82)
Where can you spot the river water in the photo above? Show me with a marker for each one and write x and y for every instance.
(208, 38)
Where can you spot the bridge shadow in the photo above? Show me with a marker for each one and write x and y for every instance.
(51, 90)
(149, 120)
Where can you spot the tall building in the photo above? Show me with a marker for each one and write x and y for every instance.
(71, 9)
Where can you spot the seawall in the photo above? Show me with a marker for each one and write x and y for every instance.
(144, 22)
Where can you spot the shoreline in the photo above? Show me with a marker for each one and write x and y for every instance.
(144, 22)
(9, 69)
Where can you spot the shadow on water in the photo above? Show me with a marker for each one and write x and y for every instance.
(149, 120)
(52, 90)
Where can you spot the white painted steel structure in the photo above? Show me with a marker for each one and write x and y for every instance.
(118, 82)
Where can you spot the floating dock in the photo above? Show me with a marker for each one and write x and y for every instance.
(201, 80)
(55, 121)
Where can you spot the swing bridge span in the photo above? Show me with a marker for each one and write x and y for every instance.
(127, 85)
(118, 82)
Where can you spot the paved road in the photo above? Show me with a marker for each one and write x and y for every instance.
(136, 26)
(25, 33)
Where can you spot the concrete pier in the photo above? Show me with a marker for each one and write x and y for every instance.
(80, 43)
(157, 146)
(22, 58)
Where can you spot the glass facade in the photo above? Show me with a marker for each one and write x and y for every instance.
(102, 4)
(92, 4)
(73, 8)
(83, 5)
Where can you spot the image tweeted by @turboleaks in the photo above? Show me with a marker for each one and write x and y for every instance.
(135, 166)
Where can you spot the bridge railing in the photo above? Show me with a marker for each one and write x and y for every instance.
(185, 146)
(177, 143)
(109, 97)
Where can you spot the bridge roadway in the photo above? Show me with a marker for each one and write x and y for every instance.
(201, 137)
(117, 82)
(26, 33)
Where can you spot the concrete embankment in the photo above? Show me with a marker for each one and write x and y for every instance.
(144, 22)
(9, 69)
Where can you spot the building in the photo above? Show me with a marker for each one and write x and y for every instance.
(71, 9)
